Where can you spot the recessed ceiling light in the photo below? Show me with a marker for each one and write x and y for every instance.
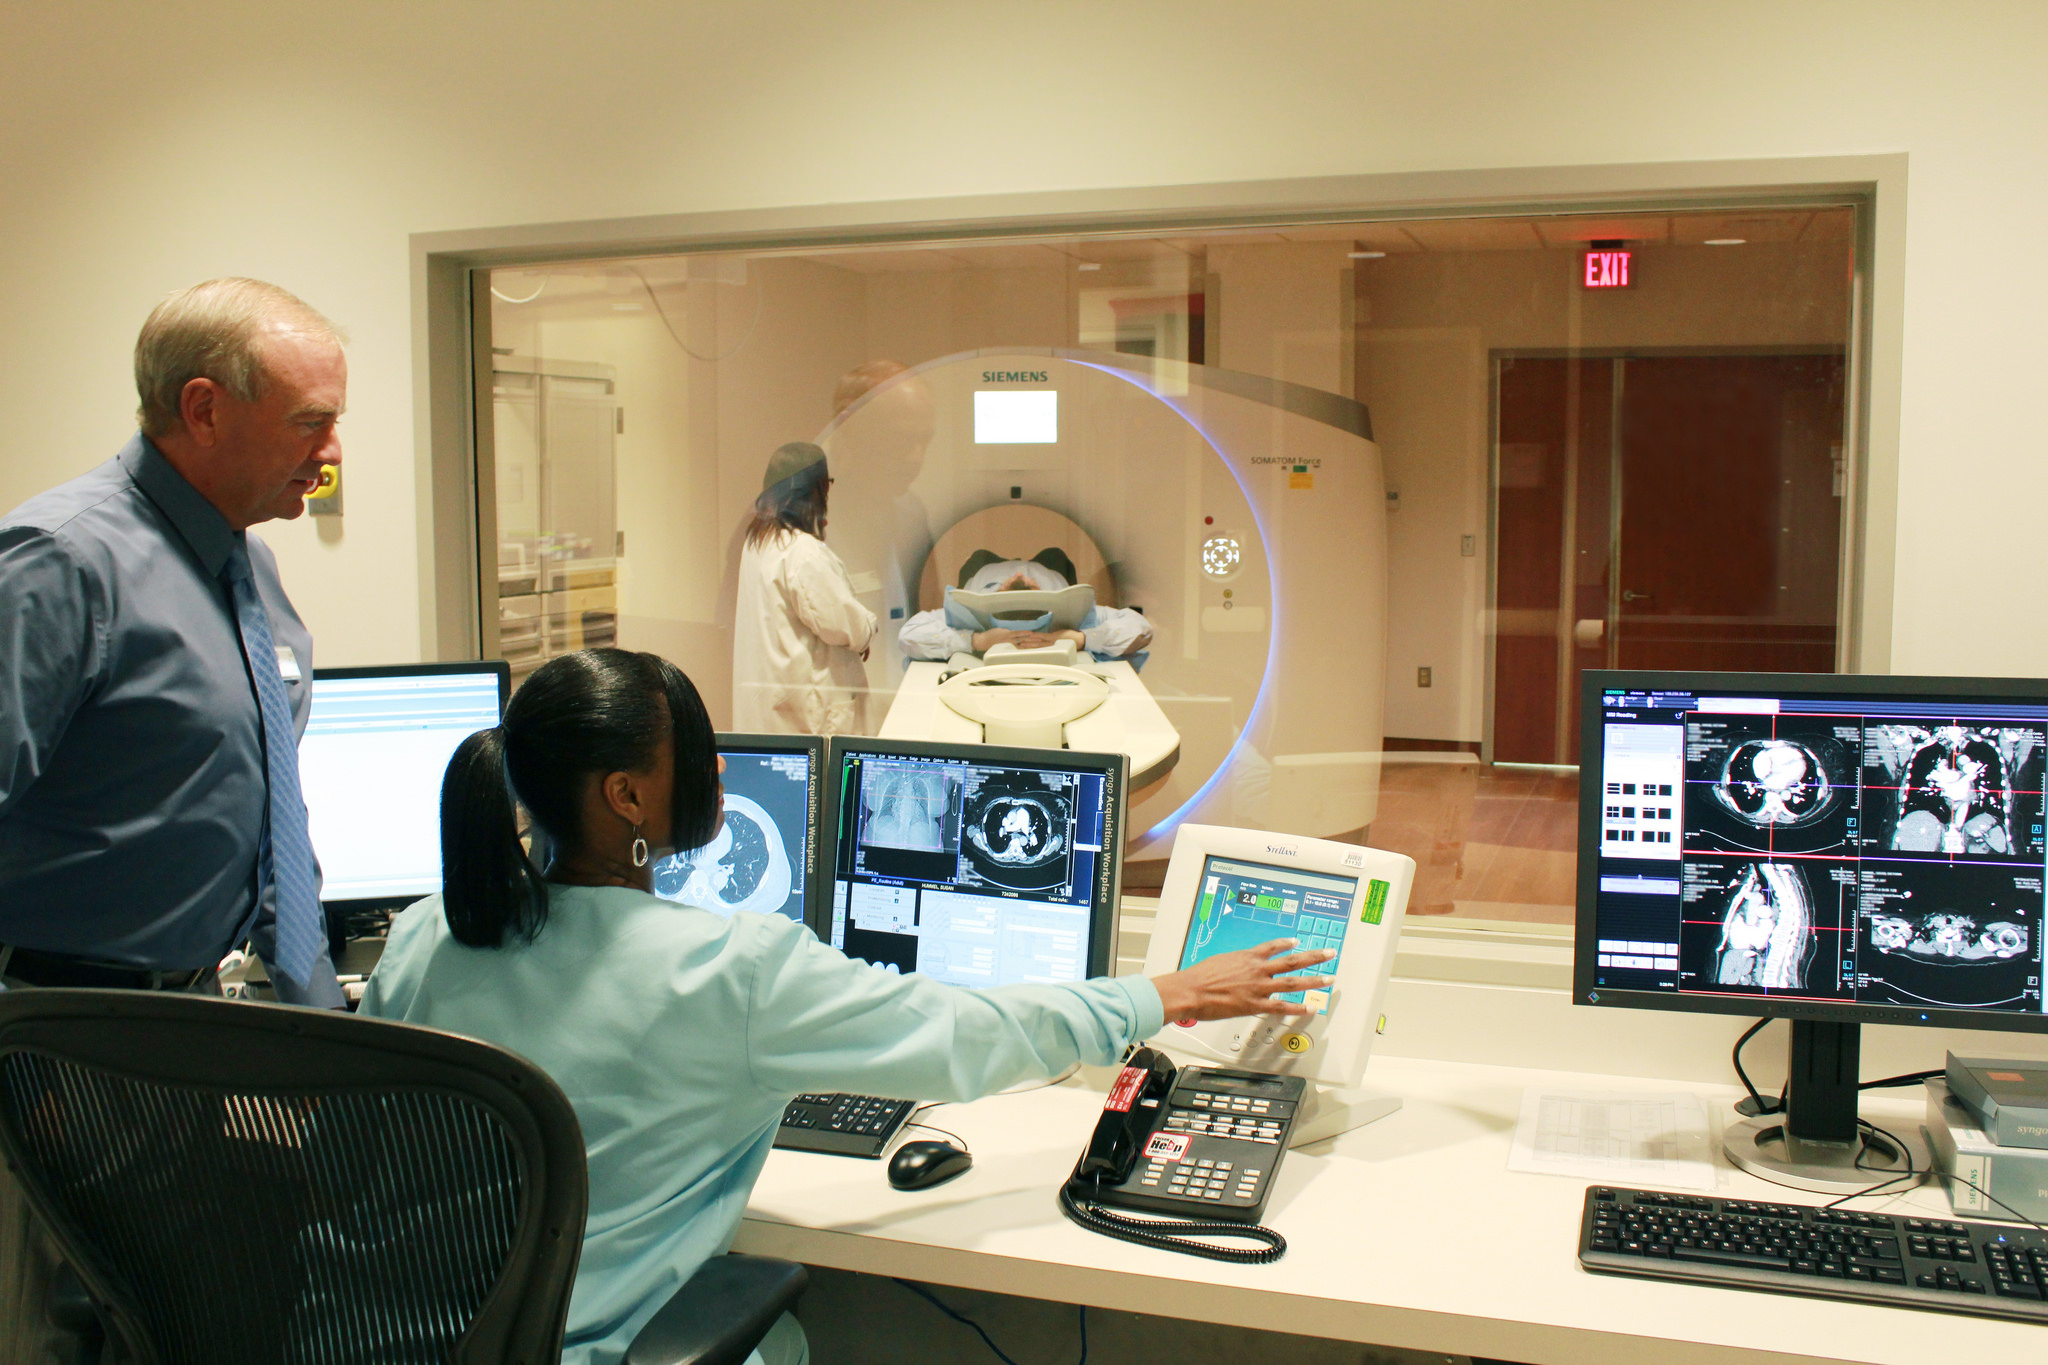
(1365, 255)
(1726, 241)
(1089, 265)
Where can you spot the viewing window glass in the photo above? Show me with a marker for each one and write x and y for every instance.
(1356, 502)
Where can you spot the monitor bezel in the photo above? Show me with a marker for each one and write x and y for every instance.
(815, 748)
(1594, 683)
(503, 670)
(1116, 768)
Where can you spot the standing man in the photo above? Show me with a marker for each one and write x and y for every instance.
(154, 681)
(154, 677)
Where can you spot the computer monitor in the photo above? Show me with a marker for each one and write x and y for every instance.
(765, 858)
(1834, 849)
(975, 864)
(1228, 889)
(376, 748)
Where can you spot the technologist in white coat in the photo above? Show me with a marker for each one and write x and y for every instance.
(1106, 633)
(800, 635)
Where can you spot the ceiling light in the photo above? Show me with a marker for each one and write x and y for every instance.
(1365, 255)
(1726, 241)
(1089, 265)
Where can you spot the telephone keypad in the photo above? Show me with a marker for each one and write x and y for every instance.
(1226, 1146)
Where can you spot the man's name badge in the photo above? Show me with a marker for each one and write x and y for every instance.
(287, 664)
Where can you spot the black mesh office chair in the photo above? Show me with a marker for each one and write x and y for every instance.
(239, 1182)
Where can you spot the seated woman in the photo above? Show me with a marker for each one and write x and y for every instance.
(1107, 633)
(680, 1034)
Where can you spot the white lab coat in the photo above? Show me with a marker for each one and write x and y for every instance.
(798, 634)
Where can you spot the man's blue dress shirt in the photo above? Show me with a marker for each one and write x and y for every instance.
(132, 789)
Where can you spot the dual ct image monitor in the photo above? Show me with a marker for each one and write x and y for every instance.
(970, 865)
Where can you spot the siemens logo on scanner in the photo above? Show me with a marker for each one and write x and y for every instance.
(1014, 376)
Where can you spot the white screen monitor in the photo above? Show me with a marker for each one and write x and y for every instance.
(375, 751)
(764, 858)
(1228, 889)
(1016, 417)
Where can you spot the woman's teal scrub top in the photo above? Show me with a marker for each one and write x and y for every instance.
(680, 1035)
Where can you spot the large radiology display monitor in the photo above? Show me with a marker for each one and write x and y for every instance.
(376, 748)
(975, 865)
(765, 857)
(1839, 849)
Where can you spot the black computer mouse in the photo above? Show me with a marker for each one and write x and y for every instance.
(921, 1165)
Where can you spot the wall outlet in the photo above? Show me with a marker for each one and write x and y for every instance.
(1422, 677)
(1468, 546)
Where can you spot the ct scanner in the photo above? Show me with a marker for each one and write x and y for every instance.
(1244, 516)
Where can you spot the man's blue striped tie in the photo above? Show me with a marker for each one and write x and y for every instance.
(287, 853)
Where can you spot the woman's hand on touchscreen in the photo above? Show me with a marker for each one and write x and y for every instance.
(1249, 981)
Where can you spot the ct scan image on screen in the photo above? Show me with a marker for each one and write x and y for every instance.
(757, 861)
(1873, 849)
(1766, 784)
(1953, 791)
(972, 873)
(1243, 904)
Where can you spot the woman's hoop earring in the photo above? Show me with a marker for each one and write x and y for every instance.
(639, 848)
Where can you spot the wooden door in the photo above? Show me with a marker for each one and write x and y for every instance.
(1658, 512)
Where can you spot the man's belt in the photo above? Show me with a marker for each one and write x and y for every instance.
(55, 969)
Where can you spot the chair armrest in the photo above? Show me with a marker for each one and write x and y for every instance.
(720, 1316)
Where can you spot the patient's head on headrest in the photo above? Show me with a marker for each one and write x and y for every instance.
(1047, 571)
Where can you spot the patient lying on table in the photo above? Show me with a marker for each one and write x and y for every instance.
(1106, 633)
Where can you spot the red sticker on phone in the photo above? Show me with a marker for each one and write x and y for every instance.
(1167, 1146)
(1124, 1093)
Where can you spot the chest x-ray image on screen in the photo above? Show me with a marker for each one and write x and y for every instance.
(911, 807)
(760, 859)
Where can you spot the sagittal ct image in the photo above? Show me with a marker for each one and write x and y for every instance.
(910, 807)
(1755, 924)
(1953, 791)
(1019, 833)
(1769, 784)
(1957, 934)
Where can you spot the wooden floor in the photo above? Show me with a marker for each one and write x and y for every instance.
(1490, 842)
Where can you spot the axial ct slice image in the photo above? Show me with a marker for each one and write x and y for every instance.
(1776, 782)
(1948, 938)
(745, 867)
(1019, 830)
(1767, 935)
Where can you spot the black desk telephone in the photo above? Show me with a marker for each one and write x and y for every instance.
(1204, 1143)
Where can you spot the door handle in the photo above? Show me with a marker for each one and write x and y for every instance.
(1628, 596)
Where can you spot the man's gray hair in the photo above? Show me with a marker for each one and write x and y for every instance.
(212, 330)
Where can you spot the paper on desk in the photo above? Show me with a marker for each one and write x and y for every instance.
(1619, 1137)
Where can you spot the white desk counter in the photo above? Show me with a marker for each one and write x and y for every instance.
(1409, 1232)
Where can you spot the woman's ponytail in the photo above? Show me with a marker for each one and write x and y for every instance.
(489, 887)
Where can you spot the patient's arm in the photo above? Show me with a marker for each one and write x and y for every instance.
(1117, 633)
(927, 636)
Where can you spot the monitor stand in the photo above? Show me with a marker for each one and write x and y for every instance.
(1815, 1143)
(1327, 1111)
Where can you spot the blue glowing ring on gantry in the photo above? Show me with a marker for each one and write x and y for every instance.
(1166, 826)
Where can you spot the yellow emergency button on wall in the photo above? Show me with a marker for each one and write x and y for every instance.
(1297, 1042)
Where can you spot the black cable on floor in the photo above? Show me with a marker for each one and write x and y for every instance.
(986, 1339)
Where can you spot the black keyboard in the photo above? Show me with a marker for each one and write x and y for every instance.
(1997, 1270)
(844, 1125)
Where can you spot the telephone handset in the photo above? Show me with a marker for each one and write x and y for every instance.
(1204, 1143)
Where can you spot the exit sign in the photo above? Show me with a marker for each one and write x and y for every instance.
(1607, 269)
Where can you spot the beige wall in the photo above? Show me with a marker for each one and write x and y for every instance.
(144, 147)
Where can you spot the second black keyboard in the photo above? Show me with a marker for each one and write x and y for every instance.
(843, 1125)
(1996, 1270)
